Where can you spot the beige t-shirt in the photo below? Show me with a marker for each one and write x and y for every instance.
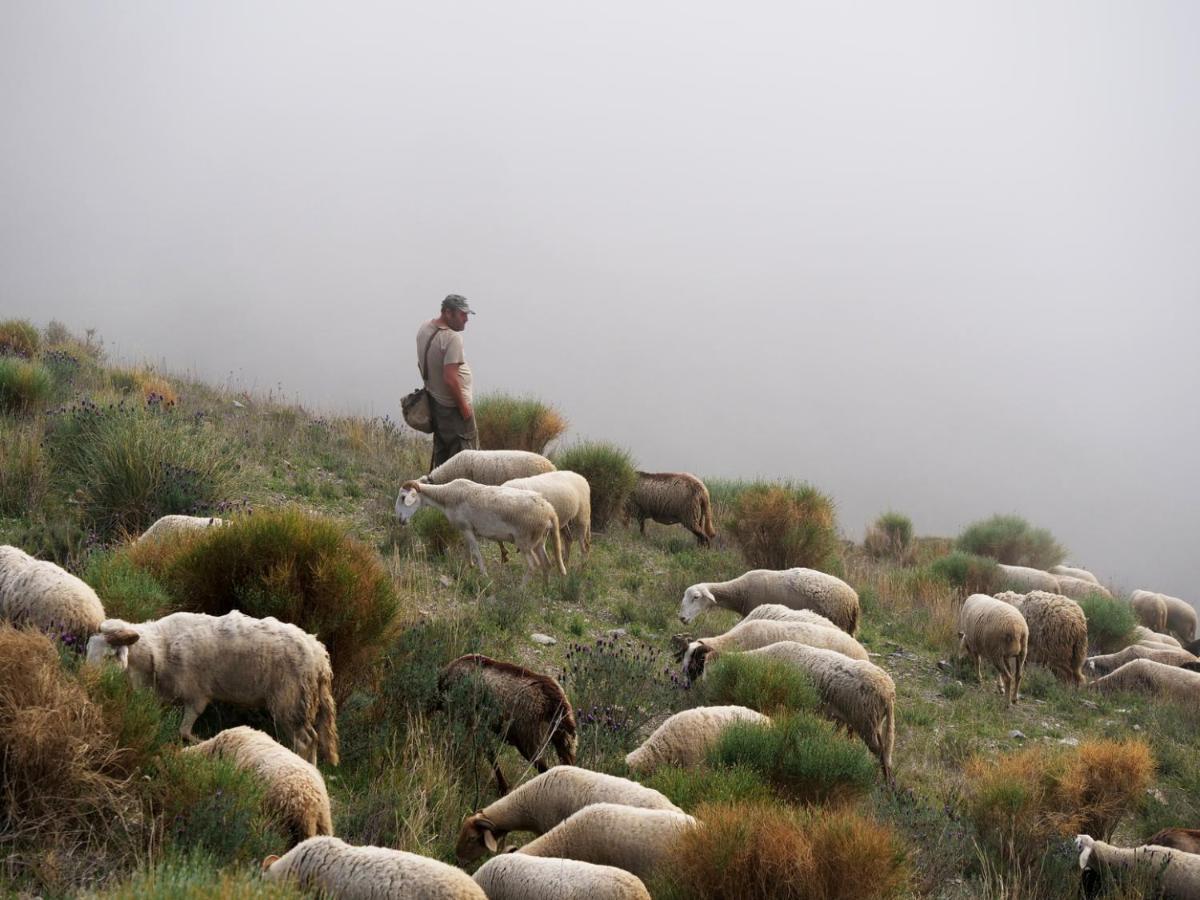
(446, 350)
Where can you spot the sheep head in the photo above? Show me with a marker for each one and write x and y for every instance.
(694, 660)
(408, 501)
(112, 643)
(478, 834)
(696, 600)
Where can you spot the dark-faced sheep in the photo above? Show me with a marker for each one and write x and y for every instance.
(532, 713)
(672, 498)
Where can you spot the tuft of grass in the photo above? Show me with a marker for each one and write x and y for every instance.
(1013, 541)
(24, 474)
(689, 788)
(24, 385)
(890, 537)
(770, 686)
(1110, 623)
(199, 877)
(505, 422)
(130, 591)
(801, 755)
(434, 531)
(18, 337)
(609, 472)
(974, 574)
(300, 568)
(779, 526)
(764, 851)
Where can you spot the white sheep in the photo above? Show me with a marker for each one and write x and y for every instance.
(671, 498)
(1181, 618)
(47, 596)
(524, 518)
(777, 612)
(492, 467)
(761, 632)
(1164, 613)
(295, 790)
(608, 834)
(1176, 873)
(542, 802)
(337, 869)
(686, 737)
(796, 588)
(571, 496)
(169, 527)
(1145, 676)
(1080, 588)
(855, 693)
(1023, 578)
(1074, 572)
(1102, 665)
(1150, 609)
(1057, 632)
(259, 663)
(519, 876)
(1147, 637)
(992, 629)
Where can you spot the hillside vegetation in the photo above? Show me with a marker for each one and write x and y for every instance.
(987, 796)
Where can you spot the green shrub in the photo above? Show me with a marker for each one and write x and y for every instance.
(780, 526)
(890, 536)
(516, 423)
(767, 685)
(801, 755)
(134, 716)
(23, 384)
(434, 531)
(129, 464)
(767, 851)
(1012, 541)
(688, 788)
(609, 472)
(300, 568)
(199, 877)
(974, 574)
(130, 592)
(18, 338)
(1110, 623)
(24, 476)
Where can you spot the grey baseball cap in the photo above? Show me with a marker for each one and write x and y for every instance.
(457, 301)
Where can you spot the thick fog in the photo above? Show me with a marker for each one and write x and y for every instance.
(935, 257)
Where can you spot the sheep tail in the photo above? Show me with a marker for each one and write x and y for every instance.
(706, 513)
(326, 719)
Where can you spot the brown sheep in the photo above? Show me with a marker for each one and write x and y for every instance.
(533, 711)
(1185, 839)
(672, 498)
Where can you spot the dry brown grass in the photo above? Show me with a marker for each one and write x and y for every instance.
(914, 595)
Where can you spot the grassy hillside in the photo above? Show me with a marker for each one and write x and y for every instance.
(91, 453)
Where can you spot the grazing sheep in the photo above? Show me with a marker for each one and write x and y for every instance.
(1185, 839)
(1169, 656)
(854, 693)
(259, 663)
(295, 790)
(1073, 572)
(1150, 609)
(1143, 635)
(336, 869)
(686, 737)
(571, 496)
(544, 801)
(519, 876)
(608, 834)
(49, 597)
(1145, 676)
(777, 612)
(796, 588)
(672, 498)
(761, 632)
(169, 527)
(1023, 578)
(492, 467)
(534, 712)
(1181, 619)
(1080, 588)
(1057, 632)
(992, 629)
(524, 518)
(1177, 873)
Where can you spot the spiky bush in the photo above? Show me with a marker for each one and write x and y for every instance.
(24, 384)
(974, 574)
(18, 338)
(889, 537)
(766, 851)
(129, 464)
(1012, 541)
(609, 472)
(505, 422)
(767, 685)
(779, 526)
(24, 475)
(689, 788)
(146, 383)
(130, 592)
(1110, 623)
(300, 568)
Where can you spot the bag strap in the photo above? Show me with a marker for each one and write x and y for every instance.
(425, 355)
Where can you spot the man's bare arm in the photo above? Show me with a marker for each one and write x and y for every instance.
(450, 376)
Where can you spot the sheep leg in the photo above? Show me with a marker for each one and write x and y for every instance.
(473, 547)
(501, 781)
(503, 552)
(566, 537)
(192, 710)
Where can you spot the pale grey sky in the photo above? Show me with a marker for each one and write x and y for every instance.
(938, 257)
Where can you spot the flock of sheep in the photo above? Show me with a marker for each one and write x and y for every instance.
(596, 835)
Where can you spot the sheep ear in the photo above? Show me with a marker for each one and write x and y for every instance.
(1085, 845)
(122, 637)
(489, 841)
(269, 861)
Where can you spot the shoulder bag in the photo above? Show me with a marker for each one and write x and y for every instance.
(416, 405)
